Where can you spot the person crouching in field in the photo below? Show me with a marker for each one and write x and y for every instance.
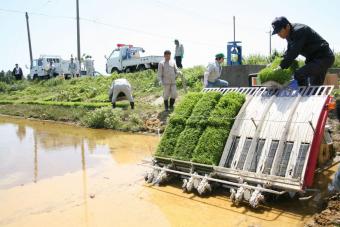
(120, 90)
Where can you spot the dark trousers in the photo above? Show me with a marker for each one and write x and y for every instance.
(179, 61)
(18, 76)
(315, 70)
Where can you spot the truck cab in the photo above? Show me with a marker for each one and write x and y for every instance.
(127, 58)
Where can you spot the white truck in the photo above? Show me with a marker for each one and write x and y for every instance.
(127, 58)
(40, 67)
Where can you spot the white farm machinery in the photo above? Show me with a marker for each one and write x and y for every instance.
(272, 148)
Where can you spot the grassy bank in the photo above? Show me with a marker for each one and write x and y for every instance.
(85, 100)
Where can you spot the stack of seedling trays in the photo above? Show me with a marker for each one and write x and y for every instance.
(198, 130)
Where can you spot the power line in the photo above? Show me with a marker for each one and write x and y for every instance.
(151, 34)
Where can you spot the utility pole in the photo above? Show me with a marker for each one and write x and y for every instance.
(234, 27)
(270, 42)
(29, 40)
(78, 34)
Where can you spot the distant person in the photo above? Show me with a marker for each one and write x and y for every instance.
(89, 66)
(51, 70)
(304, 40)
(213, 73)
(72, 68)
(121, 89)
(179, 54)
(17, 72)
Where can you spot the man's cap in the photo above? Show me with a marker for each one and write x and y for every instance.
(279, 23)
(219, 55)
(176, 40)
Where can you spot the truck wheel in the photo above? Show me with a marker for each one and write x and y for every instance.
(127, 70)
(114, 70)
(141, 68)
(35, 77)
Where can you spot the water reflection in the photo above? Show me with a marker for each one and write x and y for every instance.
(33, 150)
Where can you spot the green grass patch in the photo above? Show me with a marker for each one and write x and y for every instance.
(281, 76)
(65, 104)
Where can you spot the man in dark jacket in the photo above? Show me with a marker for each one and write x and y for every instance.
(17, 72)
(305, 41)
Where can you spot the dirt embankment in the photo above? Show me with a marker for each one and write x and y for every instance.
(330, 216)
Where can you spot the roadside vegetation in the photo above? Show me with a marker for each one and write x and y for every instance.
(85, 101)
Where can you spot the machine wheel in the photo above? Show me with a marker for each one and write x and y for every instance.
(141, 68)
(114, 70)
(35, 77)
(128, 70)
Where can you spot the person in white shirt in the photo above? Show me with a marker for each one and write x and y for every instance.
(51, 70)
(120, 90)
(167, 73)
(179, 54)
(72, 67)
(213, 73)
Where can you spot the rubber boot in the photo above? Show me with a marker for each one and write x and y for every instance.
(132, 104)
(166, 105)
(172, 102)
(113, 105)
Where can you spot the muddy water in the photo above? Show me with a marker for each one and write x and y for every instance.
(60, 175)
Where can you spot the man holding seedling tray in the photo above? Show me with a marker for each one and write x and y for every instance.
(303, 40)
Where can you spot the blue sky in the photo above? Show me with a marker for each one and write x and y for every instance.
(204, 27)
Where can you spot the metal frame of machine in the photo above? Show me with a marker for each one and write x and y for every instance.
(272, 147)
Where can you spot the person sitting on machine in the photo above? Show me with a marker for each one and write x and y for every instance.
(213, 73)
(121, 90)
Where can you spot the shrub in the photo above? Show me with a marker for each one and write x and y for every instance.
(96, 118)
(53, 82)
(19, 86)
(281, 76)
(168, 142)
(113, 118)
(192, 76)
(184, 108)
(211, 145)
(202, 110)
(4, 87)
(187, 142)
(336, 63)
(255, 59)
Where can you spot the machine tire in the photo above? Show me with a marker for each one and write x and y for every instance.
(141, 68)
(35, 77)
(114, 70)
(128, 70)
